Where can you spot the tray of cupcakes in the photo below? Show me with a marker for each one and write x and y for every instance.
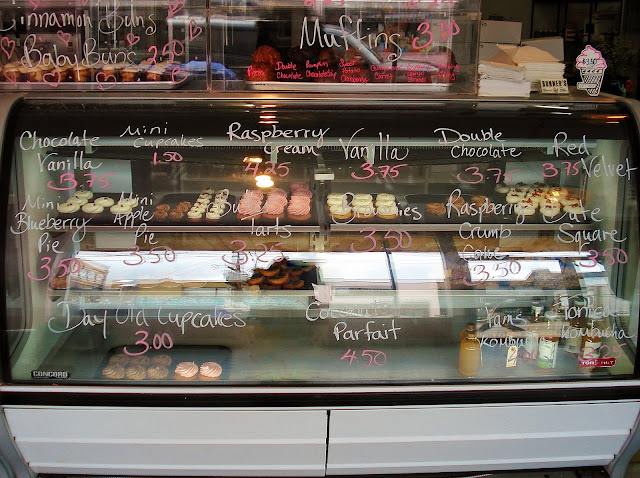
(264, 208)
(284, 275)
(540, 203)
(356, 208)
(184, 363)
(101, 76)
(106, 209)
(209, 207)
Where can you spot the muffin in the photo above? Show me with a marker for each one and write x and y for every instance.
(209, 371)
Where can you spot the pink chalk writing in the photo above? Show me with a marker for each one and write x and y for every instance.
(7, 46)
(159, 341)
(169, 157)
(398, 236)
(383, 170)
(70, 178)
(194, 30)
(65, 267)
(281, 169)
(570, 168)
(243, 255)
(620, 257)
(474, 172)
(168, 255)
(174, 7)
(375, 357)
(132, 39)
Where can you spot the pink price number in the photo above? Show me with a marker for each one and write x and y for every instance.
(281, 169)
(169, 156)
(375, 357)
(570, 169)
(159, 341)
(383, 170)
(604, 352)
(168, 255)
(612, 254)
(447, 29)
(498, 271)
(169, 51)
(70, 179)
(65, 267)
(498, 174)
(397, 236)
(243, 255)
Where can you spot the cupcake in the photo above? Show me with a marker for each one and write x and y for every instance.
(130, 73)
(120, 209)
(113, 371)
(77, 200)
(162, 359)
(67, 209)
(92, 209)
(194, 215)
(388, 211)
(140, 360)
(340, 212)
(436, 209)
(119, 359)
(186, 371)
(104, 201)
(80, 74)
(136, 372)
(157, 372)
(209, 371)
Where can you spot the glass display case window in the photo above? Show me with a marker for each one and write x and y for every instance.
(288, 243)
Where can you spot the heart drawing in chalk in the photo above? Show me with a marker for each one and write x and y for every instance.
(35, 4)
(10, 45)
(132, 39)
(53, 78)
(65, 37)
(174, 7)
(106, 81)
(10, 75)
(178, 75)
(194, 30)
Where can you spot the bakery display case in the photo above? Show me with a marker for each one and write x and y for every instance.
(250, 234)
(337, 276)
(54, 45)
(426, 46)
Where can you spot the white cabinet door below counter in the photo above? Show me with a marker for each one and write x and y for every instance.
(170, 441)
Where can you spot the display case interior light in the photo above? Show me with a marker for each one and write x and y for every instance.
(252, 159)
(264, 181)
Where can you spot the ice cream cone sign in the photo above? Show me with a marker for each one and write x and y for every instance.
(591, 65)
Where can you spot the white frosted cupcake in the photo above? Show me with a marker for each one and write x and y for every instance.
(92, 208)
(84, 194)
(104, 201)
(76, 200)
(120, 209)
(68, 208)
(131, 202)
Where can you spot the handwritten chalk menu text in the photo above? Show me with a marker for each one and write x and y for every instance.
(102, 44)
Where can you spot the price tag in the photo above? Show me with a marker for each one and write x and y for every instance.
(556, 87)
(512, 356)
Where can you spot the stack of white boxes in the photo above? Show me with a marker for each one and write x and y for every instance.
(494, 32)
